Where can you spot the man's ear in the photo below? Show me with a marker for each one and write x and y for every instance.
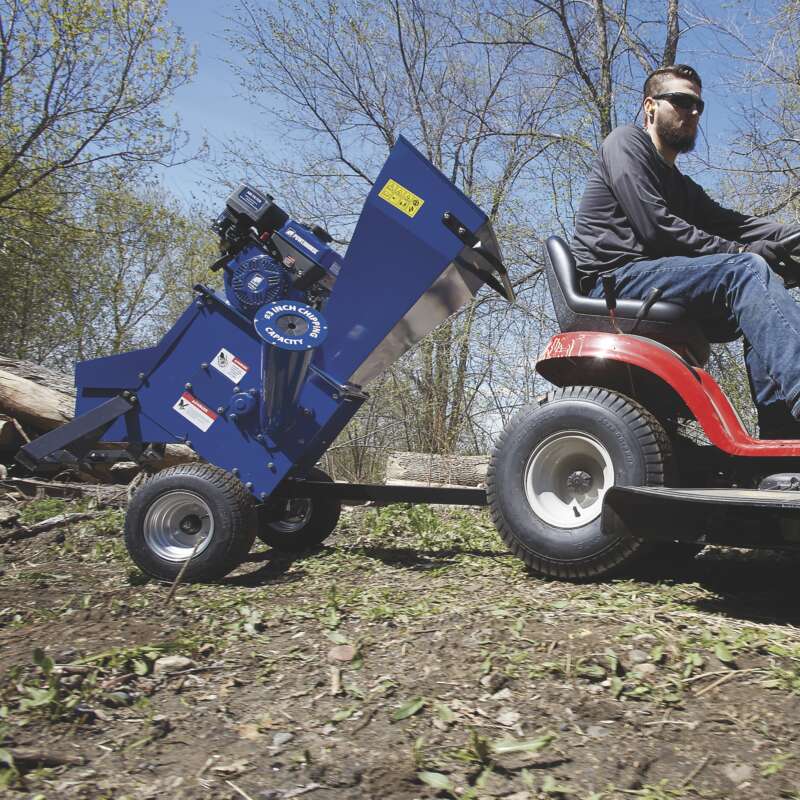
(649, 111)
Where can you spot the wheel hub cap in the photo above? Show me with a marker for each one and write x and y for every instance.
(566, 477)
(176, 523)
(579, 481)
(294, 517)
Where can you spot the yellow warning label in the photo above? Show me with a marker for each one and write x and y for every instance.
(399, 197)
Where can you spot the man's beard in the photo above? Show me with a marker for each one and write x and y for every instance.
(681, 140)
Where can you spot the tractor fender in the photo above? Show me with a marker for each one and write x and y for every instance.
(697, 389)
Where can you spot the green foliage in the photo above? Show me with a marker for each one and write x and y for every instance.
(39, 510)
(123, 54)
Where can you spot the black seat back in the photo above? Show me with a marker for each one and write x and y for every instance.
(666, 322)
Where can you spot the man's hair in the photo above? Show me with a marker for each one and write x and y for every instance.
(656, 79)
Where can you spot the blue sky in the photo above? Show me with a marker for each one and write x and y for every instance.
(211, 106)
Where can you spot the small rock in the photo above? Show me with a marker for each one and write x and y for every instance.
(161, 726)
(249, 730)
(638, 657)
(494, 681)
(117, 699)
(596, 731)
(342, 652)
(737, 773)
(508, 717)
(503, 694)
(523, 795)
(281, 738)
(169, 664)
(645, 670)
(234, 768)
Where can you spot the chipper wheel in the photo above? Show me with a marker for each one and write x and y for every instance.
(550, 470)
(186, 507)
(300, 523)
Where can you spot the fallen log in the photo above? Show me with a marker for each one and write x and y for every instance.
(103, 494)
(29, 531)
(35, 404)
(27, 757)
(431, 469)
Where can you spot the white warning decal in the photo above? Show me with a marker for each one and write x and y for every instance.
(234, 369)
(200, 415)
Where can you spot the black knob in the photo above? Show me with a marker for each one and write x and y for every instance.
(321, 234)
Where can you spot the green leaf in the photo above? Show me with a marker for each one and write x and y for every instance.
(723, 654)
(343, 714)
(336, 637)
(6, 758)
(657, 654)
(140, 667)
(408, 709)
(594, 672)
(37, 698)
(43, 661)
(616, 686)
(445, 713)
(436, 780)
(502, 746)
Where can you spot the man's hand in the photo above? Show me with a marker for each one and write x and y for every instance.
(780, 257)
(774, 253)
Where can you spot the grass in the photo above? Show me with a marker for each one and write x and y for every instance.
(470, 678)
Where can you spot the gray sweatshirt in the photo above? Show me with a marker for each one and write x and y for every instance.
(636, 206)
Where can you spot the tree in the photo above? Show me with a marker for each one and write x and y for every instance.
(509, 100)
(81, 83)
(112, 277)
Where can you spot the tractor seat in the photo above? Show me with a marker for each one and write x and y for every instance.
(666, 322)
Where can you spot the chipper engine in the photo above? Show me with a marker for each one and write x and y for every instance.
(260, 379)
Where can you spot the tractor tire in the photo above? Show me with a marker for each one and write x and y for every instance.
(188, 506)
(550, 469)
(300, 523)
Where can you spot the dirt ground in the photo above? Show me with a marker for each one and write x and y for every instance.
(410, 657)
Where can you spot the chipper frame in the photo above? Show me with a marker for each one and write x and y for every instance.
(260, 380)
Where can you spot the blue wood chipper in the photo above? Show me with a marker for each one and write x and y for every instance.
(260, 380)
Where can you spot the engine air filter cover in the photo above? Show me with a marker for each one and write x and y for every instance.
(258, 281)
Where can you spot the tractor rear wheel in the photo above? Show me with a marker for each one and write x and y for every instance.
(299, 523)
(192, 511)
(550, 469)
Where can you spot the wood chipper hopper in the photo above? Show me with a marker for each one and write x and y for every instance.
(261, 378)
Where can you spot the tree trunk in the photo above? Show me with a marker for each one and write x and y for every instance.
(36, 396)
(429, 469)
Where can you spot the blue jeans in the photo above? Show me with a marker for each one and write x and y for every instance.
(729, 294)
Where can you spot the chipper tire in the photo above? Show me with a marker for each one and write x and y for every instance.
(179, 504)
(550, 469)
(302, 523)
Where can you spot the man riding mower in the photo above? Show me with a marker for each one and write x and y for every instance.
(596, 476)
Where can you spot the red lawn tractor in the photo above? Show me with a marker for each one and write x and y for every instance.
(600, 474)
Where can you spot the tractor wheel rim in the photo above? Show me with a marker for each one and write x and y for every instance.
(296, 515)
(566, 477)
(176, 523)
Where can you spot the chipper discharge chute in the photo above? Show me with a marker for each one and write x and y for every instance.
(259, 380)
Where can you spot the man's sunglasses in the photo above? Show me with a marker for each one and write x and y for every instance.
(684, 100)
